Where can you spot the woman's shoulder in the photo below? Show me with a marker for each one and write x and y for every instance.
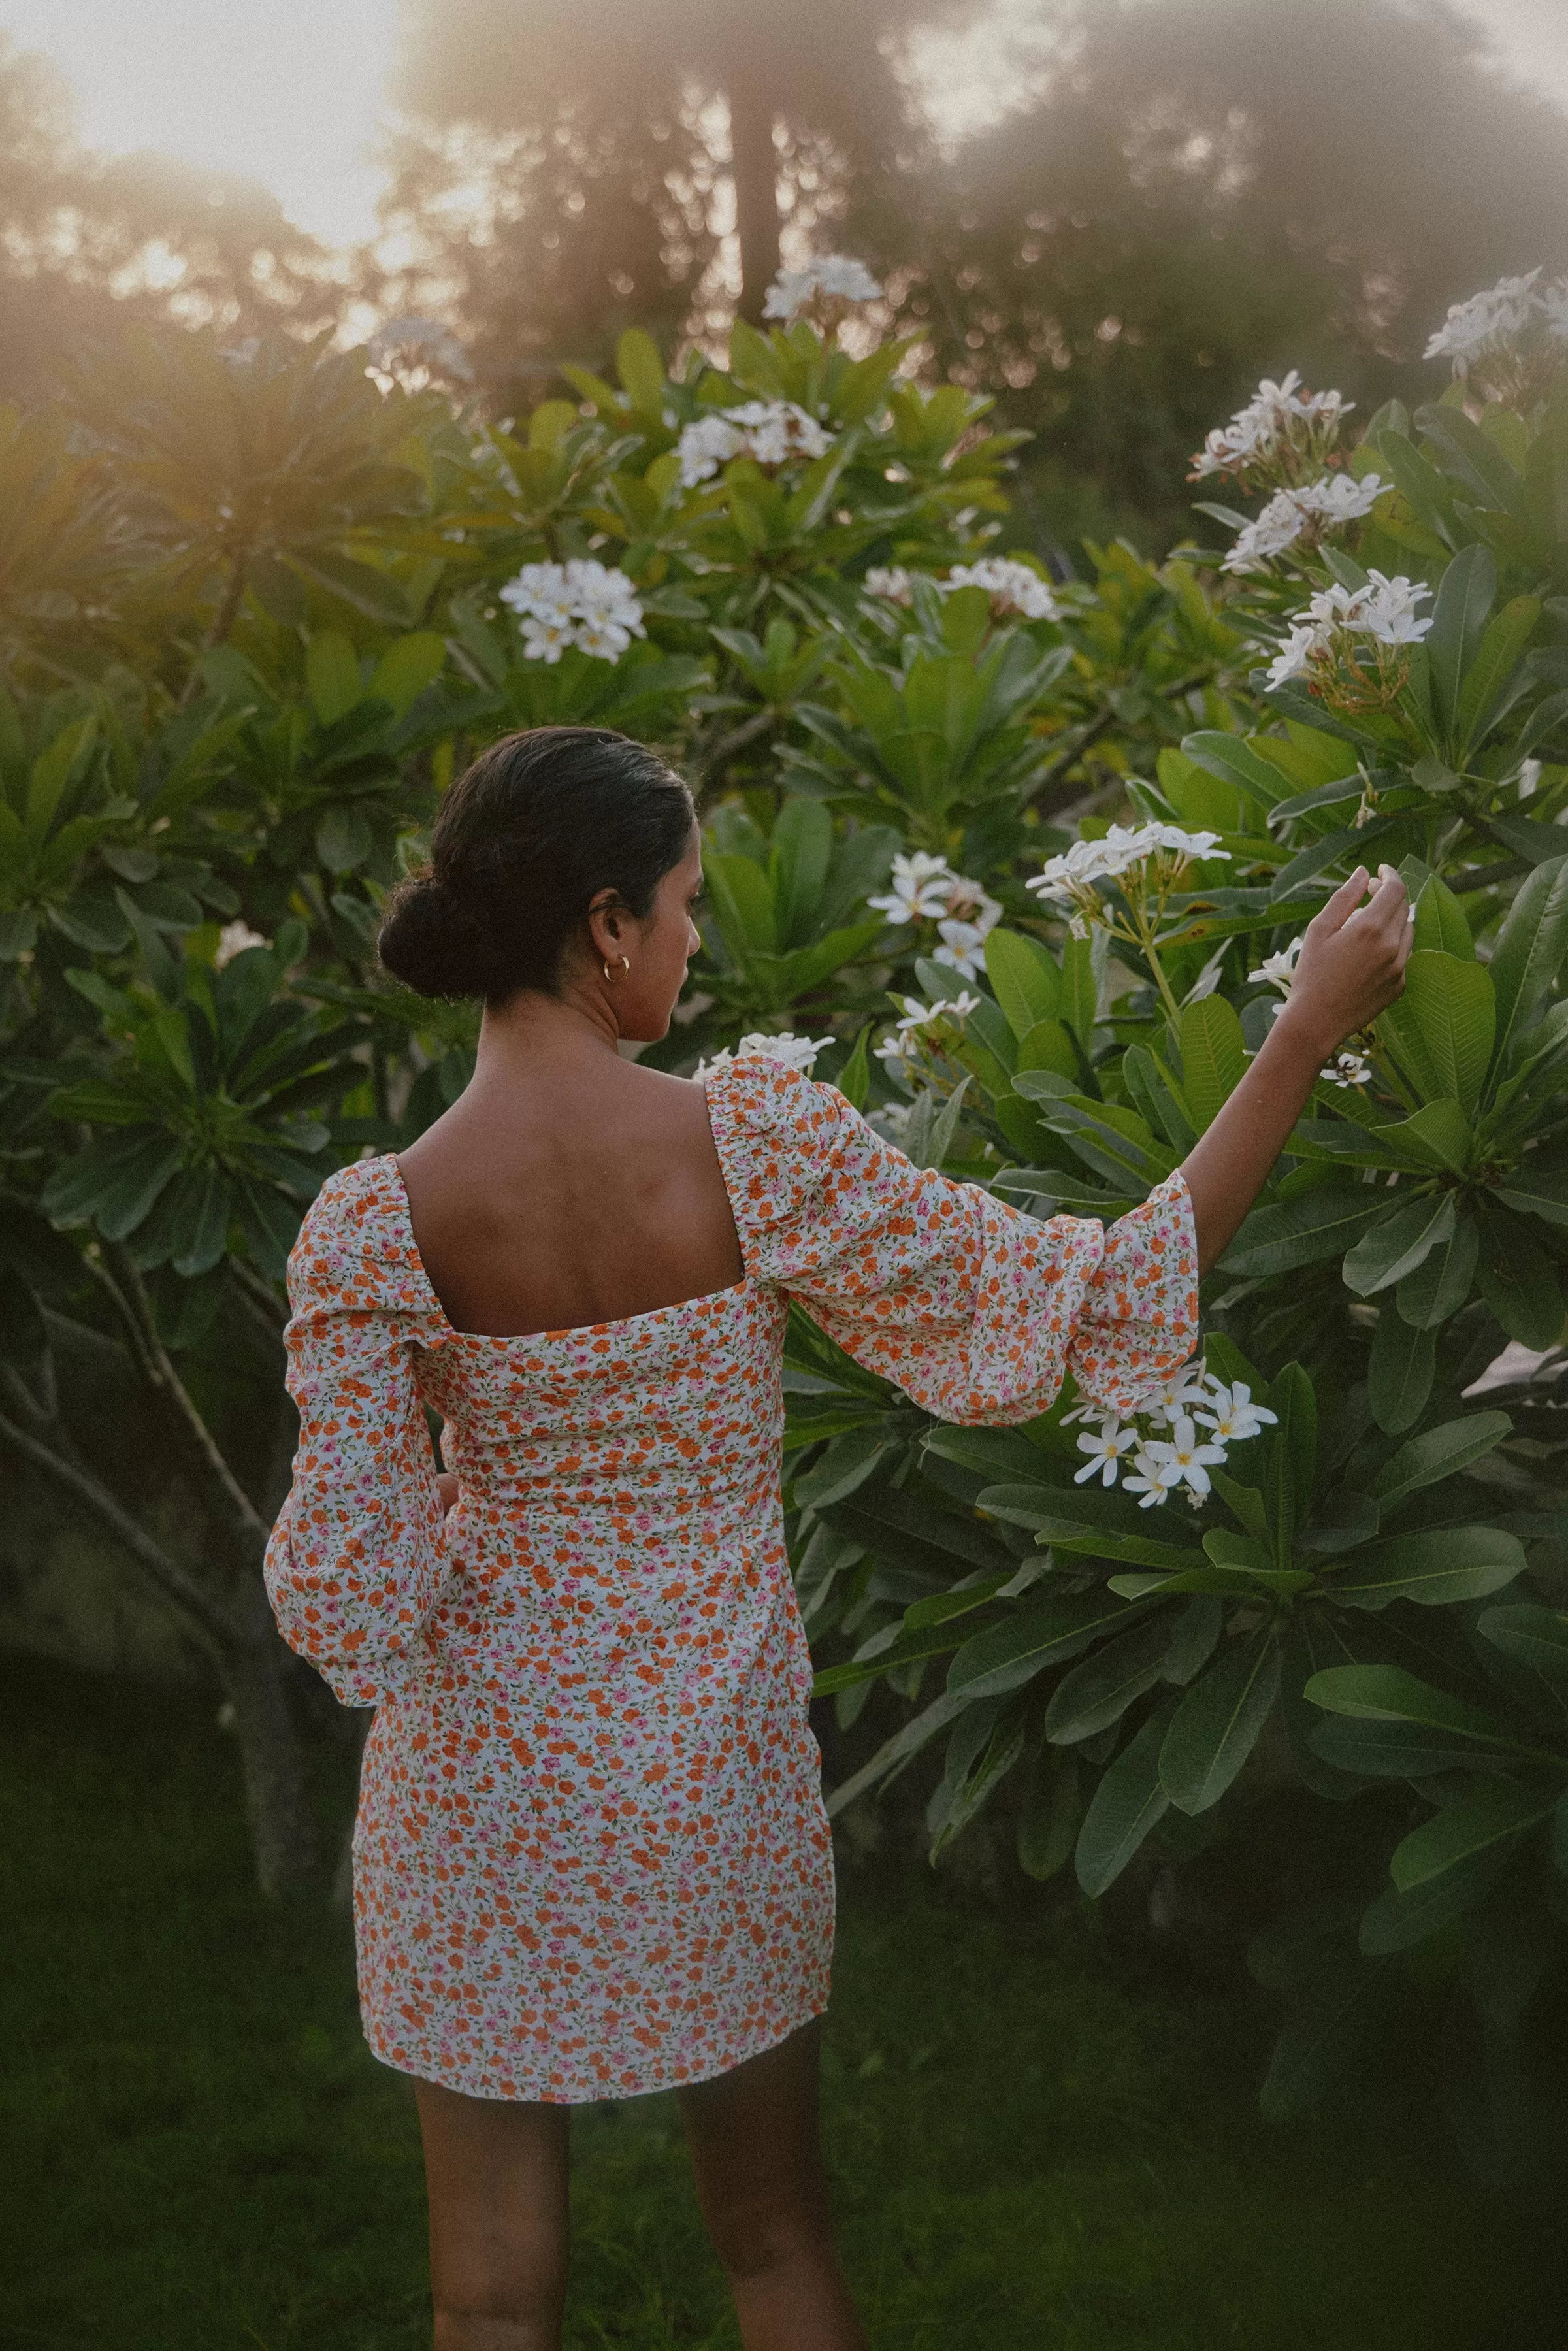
(785, 1138)
(355, 1247)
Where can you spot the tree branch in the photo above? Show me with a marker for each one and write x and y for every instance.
(212, 1621)
(244, 1524)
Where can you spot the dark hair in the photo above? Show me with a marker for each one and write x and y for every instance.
(526, 838)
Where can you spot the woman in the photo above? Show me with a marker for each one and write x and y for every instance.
(592, 1858)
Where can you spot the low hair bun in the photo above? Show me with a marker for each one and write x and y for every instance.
(522, 842)
(438, 940)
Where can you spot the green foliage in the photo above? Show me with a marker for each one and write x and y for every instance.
(216, 764)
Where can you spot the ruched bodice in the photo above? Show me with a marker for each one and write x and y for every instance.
(592, 1855)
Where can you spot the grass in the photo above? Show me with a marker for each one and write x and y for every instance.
(1030, 2150)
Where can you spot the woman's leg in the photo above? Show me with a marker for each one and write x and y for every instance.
(755, 2150)
(497, 2174)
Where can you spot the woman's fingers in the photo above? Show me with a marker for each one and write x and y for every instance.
(1335, 911)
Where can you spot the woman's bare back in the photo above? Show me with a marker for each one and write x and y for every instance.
(568, 1186)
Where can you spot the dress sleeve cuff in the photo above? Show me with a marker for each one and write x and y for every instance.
(1140, 1318)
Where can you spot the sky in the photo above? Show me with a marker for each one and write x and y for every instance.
(289, 92)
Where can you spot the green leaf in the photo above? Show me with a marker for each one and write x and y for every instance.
(1380, 1693)
(1213, 1057)
(1537, 1191)
(1098, 1691)
(1399, 1920)
(847, 1463)
(1495, 664)
(1363, 1751)
(1399, 1372)
(1529, 948)
(343, 840)
(1316, 1225)
(1083, 969)
(1129, 1802)
(332, 677)
(1388, 1251)
(1532, 1637)
(1048, 1046)
(1324, 2038)
(1440, 924)
(1050, 1812)
(1439, 1286)
(1435, 1568)
(853, 1081)
(1519, 1280)
(1292, 1458)
(800, 854)
(405, 669)
(1496, 1813)
(1027, 984)
(1436, 1453)
(1216, 1725)
(1466, 594)
(1452, 1005)
(205, 1238)
(1235, 762)
(1035, 1635)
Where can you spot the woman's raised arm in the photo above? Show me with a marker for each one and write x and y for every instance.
(1351, 964)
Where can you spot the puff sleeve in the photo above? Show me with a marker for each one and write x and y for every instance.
(356, 1565)
(974, 1309)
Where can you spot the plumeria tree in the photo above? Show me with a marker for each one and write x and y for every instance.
(1021, 863)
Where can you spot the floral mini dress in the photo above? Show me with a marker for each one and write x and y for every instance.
(591, 1857)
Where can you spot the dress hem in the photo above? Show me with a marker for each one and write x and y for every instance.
(597, 2095)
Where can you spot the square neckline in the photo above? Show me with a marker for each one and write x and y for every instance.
(388, 1160)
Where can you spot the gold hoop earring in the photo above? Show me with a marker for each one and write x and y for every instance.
(625, 964)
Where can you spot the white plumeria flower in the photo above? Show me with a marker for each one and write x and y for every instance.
(1106, 1452)
(770, 432)
(234, 939)
(583, 602)
(1385, 609)
(1346, 1069)
(1016, 587)
(1070, 879)
(889, 580)
(1502, 311)
(1293, 657)
(1175, 1395)
(1191, 1459)
(793, 1052)
(1232, 1417)
(546, 641)
(418, 340)
(1155, 1472)
(1328, 504)
(1554, 309)
(1280, 970)
(921, 888)
(834, 277)
(1254, 434)
(901, 1049)
(963, 947)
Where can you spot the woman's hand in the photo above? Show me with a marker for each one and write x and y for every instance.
(1352, 963)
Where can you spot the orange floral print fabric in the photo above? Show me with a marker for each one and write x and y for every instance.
(591, 1857)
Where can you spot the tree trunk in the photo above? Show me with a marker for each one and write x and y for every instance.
(755, 169)
(283, 1839)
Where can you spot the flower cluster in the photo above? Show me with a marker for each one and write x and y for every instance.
(795, 1053)
(834, 278)
(768, 432)
(1012, 587)
(580, 603)
(1280, 431)
(1162, 1438)
(919, 1029)
(926, 889)
(407, 343)
(1321, 645)
(1162, 850)
(1310, 513)
(1510, 340)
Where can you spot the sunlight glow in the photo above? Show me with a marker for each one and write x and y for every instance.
(285, 91)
